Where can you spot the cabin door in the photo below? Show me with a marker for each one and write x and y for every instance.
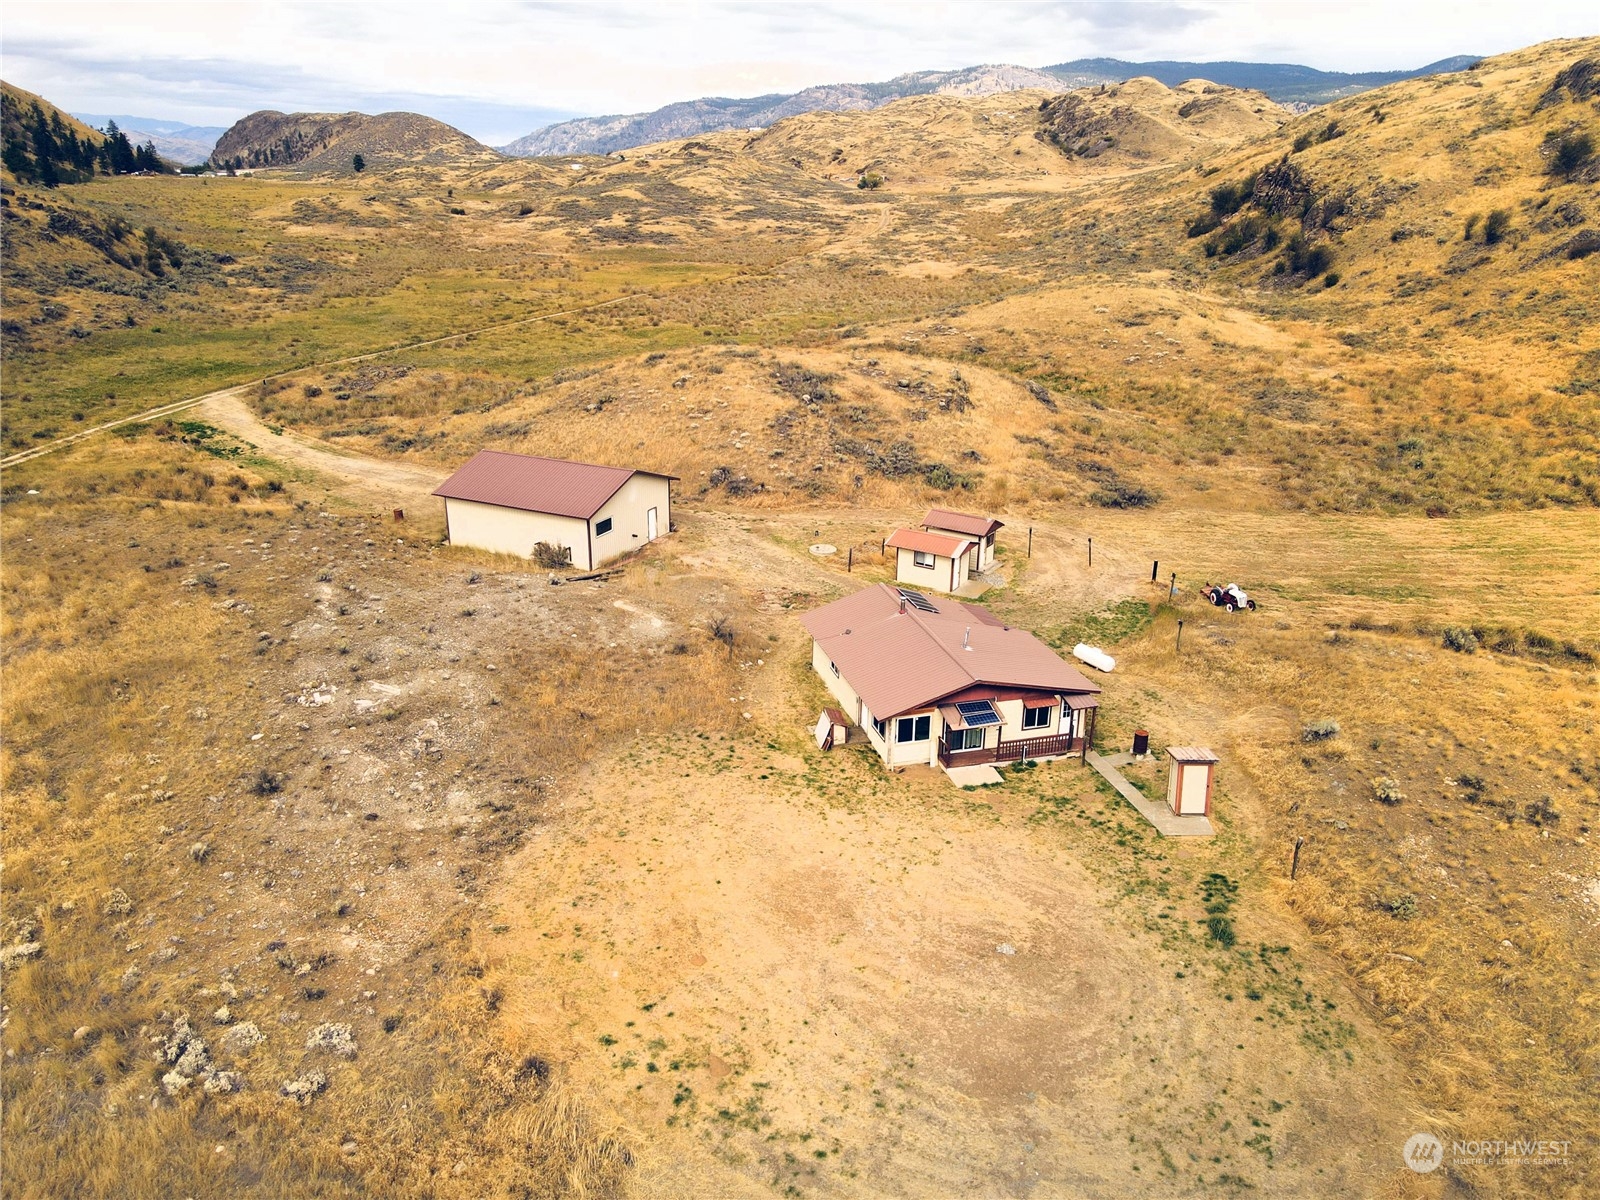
(650, 525)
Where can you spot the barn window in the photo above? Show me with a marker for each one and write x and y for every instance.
(601, 528)
(1036, 718)
(922, 558)
(912, 729)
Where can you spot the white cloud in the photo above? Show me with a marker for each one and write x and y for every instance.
(500, 67)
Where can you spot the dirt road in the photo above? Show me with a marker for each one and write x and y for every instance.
(365, 482)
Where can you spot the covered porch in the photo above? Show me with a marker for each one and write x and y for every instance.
(1016, 749)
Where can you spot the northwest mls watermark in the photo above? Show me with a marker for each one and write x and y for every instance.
(1424, 1153)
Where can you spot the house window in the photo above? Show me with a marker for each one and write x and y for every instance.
(966, 739)
(1036, 718)
(882, 727)
(912, 729)
(834, 667)
(989, 541)
(601, 528)
(922, 558)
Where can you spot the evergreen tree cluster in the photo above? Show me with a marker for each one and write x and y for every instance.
(45, 150)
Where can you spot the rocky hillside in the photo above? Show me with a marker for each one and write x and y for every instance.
(1284, 83)
(330, 141)
(602, 135)
(1145, 120)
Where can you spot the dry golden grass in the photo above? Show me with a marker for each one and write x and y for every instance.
(1441, 374)
(135, 676)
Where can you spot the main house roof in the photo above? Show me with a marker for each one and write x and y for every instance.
(543, 485)
(902, 657)
(928, 543)
(956, 522)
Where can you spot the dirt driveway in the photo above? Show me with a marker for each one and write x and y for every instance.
(369, 483)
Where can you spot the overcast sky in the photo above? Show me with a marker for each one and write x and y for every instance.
(500, 68)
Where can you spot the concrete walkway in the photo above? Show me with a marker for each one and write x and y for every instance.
(981, 775)
(1166, 822)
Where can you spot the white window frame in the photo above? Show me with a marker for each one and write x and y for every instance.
(1030, 708)
(923, 721)
(917, 557)
(601, 528)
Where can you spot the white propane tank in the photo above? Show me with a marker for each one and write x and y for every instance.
(1094, 656)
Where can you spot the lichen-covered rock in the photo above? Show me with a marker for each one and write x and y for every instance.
(116, 903)
(222, 1016)
(305, 1086)
(334, 1036)
(222, 1082)
(21, 952)
(243, 1038)
(173, 1082)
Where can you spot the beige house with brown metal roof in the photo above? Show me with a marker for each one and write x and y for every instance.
(931, 560)
(937, 682)
(508, 503)
(979, 530)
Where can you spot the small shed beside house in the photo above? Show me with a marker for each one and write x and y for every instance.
(508, 503)
(932, 560)
(979, 530)
(1189, 780)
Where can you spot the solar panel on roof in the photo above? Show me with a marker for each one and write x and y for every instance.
(917, 600)
(977, 712)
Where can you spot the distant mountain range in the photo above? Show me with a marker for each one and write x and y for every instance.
(188, 145)
(602, 135)
(1287, 83)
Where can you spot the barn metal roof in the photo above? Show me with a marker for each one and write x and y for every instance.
(929, 543)
(900, 661)
(956, 522)
(533, 484)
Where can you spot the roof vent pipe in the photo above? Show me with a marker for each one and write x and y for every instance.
(966, 639)
(902, 606)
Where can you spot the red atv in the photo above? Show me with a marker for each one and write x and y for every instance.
(1230, 597)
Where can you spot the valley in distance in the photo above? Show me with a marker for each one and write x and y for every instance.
(346, 855)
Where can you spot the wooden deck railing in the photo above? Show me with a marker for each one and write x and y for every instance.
(1054, 746)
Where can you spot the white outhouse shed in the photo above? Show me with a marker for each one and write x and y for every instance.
(1189, 777)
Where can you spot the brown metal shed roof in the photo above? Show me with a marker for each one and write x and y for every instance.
(929, 543)
(899, 661)
(945, 518)
(544, 485)
(1192, 754)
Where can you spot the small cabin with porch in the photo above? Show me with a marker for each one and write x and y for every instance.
(939, 683)
(942, 562)
(980, 531)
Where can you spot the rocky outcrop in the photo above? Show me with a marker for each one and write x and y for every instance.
(331, 141)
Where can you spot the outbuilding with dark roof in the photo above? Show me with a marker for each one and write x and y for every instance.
(509, 503)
